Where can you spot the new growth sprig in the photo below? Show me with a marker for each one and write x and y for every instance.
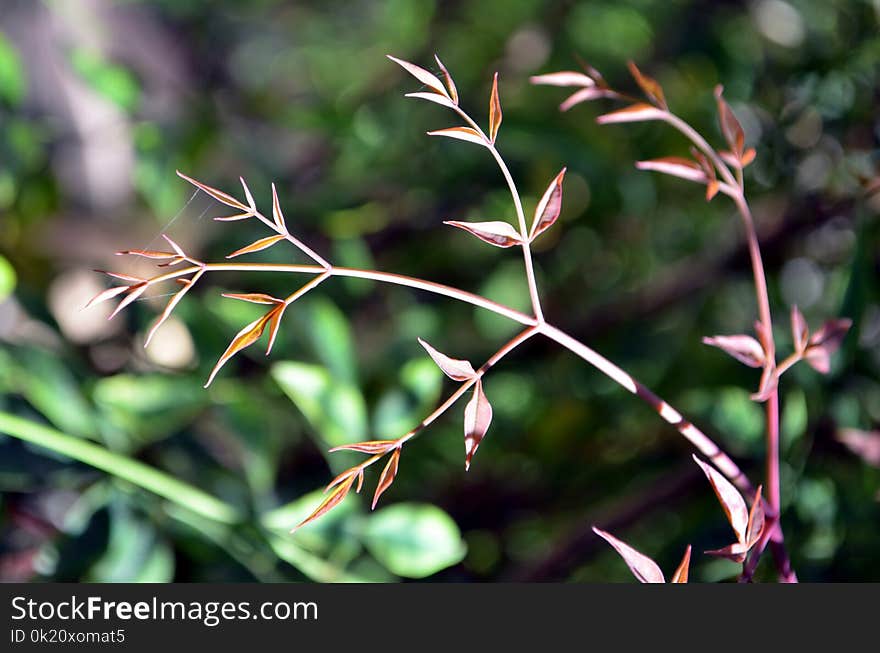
(516, 233)
(721, 171)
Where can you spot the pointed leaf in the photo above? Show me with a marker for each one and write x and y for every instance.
(736, 552)
(254, 297)
(500, 234)
(681, 573)
(258, 245)
(219, 195)
(585, 95)
(756, 520)
(433, 97)
(461, 133)
(234, 218)
(633, 113)
(248, 196)
(730, 498)
(676, 166)
(134, 292)
(453, 92)
(454, 368)
(767, 386)
(477, 417)
(174, 246)
(730, 127)
(642, 567)
(494, 110)
(277, 215)
(549, 208)
(122, 275)
(387, 476)
(426, 78)
(563, 78)
(275, 322)
(148, 253)
(649, 86)
(104, 295)
(244, 338)
(172, 303)
(331, 501)
(743, 348)
(824, 342)
(800, 332)
(371, 447)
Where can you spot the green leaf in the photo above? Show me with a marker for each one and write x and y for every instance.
(113, 82)
(12, 78)
(336, 410)
(7, 278)
(135, 552)
(120, 466)
(332, 339)
(414, 540)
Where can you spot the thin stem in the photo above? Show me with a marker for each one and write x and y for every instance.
(293, 239)
(520, 215)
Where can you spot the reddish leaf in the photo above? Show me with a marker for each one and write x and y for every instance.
(121, 275)
(343, 476)
(134, 292)
(634, 113)
(247, 194)
(433, 97)
(330, 501)
(864, 444)
(426, 78)
(360, 478)
(244, 338)
(748, 156)
(371, 447)
(649, 86)
(768, 384)
(454, 368)
(387, 476)
(800, 333)
(730, 127)
(172, 303)
(274, 322)
(277, 215)
(756, 520)
(549, 208)
(219, 195)
(233, 218)
(585, 95)
(461, 133)
(824, 342)
(178, 250)
(477, 417)
(563, 78)
(642, 567)
(254, 297)
(258, 245)
(494, 110)
(450, 85)
(500, 234)
(148, 253)
(730, 498)
(104, 295)
(745, 349)
(736, 552)
(676, 166)
(681, 573)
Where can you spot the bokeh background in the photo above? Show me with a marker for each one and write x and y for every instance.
(101, 101)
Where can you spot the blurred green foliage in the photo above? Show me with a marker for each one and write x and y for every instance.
(94, 123)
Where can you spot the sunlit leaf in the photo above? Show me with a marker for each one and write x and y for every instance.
(219, 195)
(456, 369)
(549, 208)
(254, 297)
(244, 338)
(148, 253)
(676, 166)
(563, 78)
(387, 476)
(650, 87)
(730, 127)
(634, 113)
(277, 214)
(134, 292)
(248, 196)
(494, 110)
(730, 498)
(433, 97)
(371, 447)
(426, 78)
(584, 95)
(104, 295)
(681, 572)
(496, 232)
(743, 348)
(735, 552)
(177, 248)
(453, 92)
(642, 567)
(824, 342)
(800, 332)
(461, 133)
(258, 245)
(169, 307)
(756, 520)
(477, 417)
(333, 499)
(274, 323)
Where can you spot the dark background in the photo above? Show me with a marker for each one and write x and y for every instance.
(101, 101)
